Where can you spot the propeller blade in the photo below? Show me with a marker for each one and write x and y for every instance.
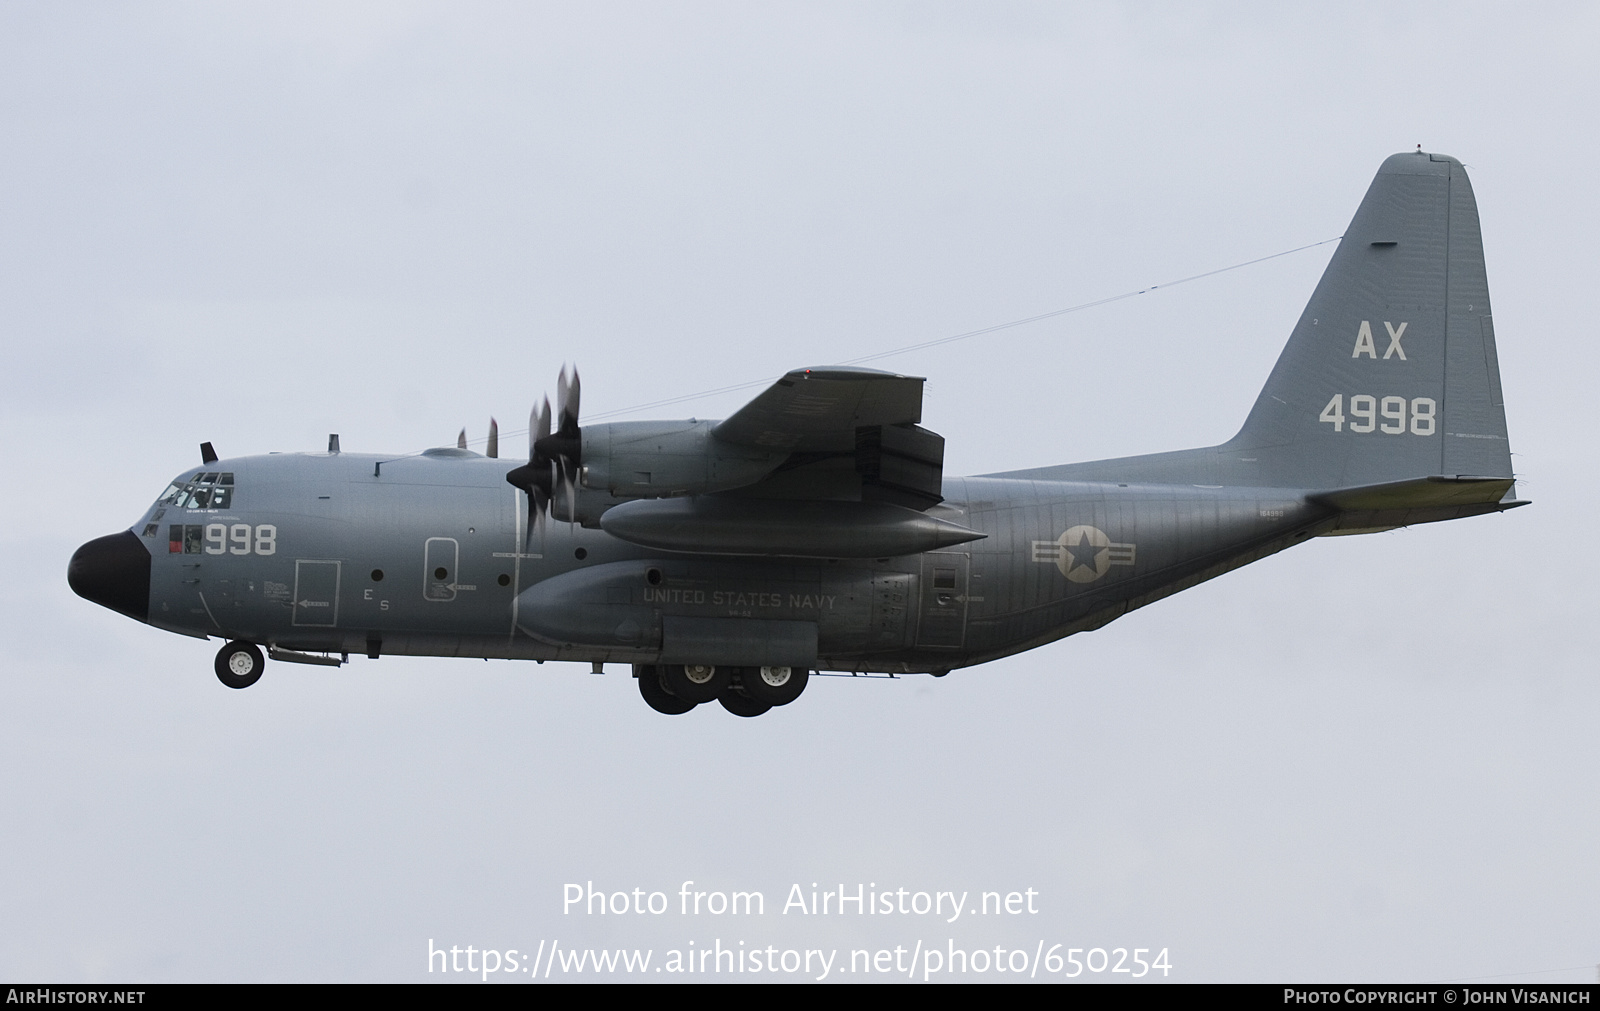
(573, 395)
(568, 393)
(493, 451)
(537, 478)
(566, 443)
(553, 456)
(538, 489)
(541, 501)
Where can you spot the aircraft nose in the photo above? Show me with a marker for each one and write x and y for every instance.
(114, 572)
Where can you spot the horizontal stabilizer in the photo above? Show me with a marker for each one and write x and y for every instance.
(1426, 491)
(1423, 500)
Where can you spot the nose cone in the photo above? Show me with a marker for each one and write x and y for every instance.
(114, 572)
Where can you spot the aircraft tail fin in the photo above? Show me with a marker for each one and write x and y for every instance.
(1391, 372)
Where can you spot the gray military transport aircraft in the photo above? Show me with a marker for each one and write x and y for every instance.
(814, 529)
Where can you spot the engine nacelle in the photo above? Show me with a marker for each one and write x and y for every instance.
(630, 460)
(666, 459)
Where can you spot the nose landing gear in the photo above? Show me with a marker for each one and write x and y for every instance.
(239, 664)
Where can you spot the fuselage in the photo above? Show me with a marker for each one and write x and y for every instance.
(814, 528)
(433, 555)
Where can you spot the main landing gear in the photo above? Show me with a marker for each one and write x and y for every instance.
(675, 689)
(239, 664)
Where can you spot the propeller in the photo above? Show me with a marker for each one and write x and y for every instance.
(553, 456)
(565, 446)
(492, 451)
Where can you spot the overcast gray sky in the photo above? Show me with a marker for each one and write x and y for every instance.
(1371, 758)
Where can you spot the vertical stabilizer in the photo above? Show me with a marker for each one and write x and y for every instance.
(1391, 372)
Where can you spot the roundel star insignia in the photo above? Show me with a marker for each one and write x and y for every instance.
(1083, 553)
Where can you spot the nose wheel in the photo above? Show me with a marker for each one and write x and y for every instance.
(239, 664)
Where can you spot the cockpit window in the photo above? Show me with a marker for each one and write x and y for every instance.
(206, 490)
(173, 495)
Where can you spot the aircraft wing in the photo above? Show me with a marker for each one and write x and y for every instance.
(850, 434)
(820, 410)
(856, 475)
